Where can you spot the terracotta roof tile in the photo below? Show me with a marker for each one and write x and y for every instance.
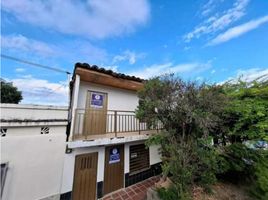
(109, 72)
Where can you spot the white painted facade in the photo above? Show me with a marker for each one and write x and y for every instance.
(68, 172)
(117, 99)
(38, 166)
(35, 160)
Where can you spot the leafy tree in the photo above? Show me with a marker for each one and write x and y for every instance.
(245, 121)
(9, 93)
(246, 115)
(189, 113)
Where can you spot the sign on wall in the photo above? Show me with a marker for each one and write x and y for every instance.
(96, 100)
(114, 156)
(133, 155)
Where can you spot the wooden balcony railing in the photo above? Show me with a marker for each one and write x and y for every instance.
(114, 123)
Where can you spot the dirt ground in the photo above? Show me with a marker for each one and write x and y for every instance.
(222, 191)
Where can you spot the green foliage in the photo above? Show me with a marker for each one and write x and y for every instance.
(193, 115)
(207, 166)
(189, 112)
(246, 115)
(259, 187)
(239, 157)
(9, 93)
(249, 166)
(168, 194)
(246, 120)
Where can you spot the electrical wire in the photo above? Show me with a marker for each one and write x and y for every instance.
(34, 64)
(40, 66)
(53, 91)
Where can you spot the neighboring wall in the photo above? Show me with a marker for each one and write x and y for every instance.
(35, 160)
(118, 99)
(33, 112)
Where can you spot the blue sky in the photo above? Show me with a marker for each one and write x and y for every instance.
(212, 40)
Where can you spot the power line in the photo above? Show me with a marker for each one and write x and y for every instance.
(34, 64)
(54, 91)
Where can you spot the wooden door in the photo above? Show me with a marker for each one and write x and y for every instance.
(96, 113)
(85, 177)
(114, 168)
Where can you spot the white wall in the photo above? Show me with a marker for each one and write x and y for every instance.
(35, 165)
(35, 130)
(34, 112)
(35, 160)
(118, 99)
(155, 157)
(126, 165)
(69, 162)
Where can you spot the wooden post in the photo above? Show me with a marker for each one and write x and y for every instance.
(115, 123)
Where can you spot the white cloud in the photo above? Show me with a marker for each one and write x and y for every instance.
(40, 91)
(199, 78)
(161, 69)
(213, 71)
(19, 69)
(114, 68)
(90, 18)
(208, 7)
(73, 51)
(186, 48)
(249, 75)
(218, 21)
(253, 74)
(22, 43)
(130, 56)
(238, 30)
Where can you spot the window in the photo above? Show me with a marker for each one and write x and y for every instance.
(138, 158)
(45, 130)
(4, 167)
(3, 132)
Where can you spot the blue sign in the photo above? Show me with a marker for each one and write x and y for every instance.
(97, 100)
(114, 155)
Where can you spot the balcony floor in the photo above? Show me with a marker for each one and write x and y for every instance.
(109, 138)
(113, 135)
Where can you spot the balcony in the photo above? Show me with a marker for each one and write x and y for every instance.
(96, 124)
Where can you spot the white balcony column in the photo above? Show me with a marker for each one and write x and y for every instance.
(74, 103)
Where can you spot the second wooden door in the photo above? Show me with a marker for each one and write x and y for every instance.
(114, 168)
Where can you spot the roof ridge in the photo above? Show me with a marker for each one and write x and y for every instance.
(106, 71)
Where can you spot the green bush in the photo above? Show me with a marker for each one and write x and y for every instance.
(171, 194)
(167, 194)
(240, 158)
(247, 166)
(259, 188)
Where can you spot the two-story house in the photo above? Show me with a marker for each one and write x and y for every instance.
(106, 149)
